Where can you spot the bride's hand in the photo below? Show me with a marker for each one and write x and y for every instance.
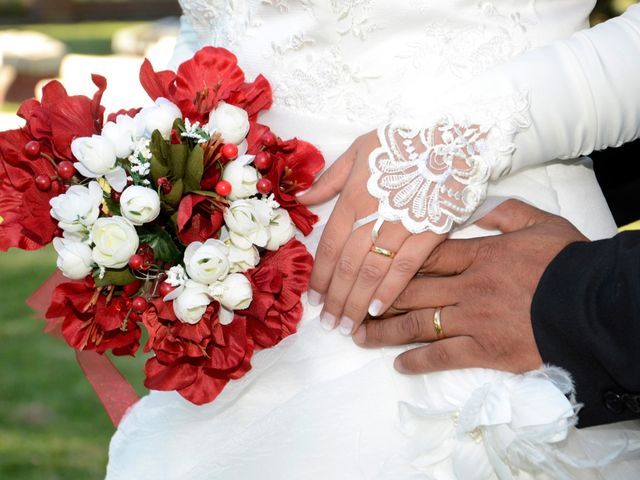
(351, 278)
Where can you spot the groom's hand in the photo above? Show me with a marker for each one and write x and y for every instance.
(347, 275)
(485, 287)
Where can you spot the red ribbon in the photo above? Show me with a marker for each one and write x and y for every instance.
(113, 390)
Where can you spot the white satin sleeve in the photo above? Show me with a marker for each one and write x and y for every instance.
(583, 92)
(187, 44)
(556, 102)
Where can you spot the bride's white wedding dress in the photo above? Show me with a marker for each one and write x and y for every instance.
(317, 406)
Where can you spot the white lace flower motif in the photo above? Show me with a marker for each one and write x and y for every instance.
(429, 179)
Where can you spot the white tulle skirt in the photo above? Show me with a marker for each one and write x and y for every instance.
(319, 407)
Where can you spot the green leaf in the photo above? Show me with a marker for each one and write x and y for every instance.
(160, 156)
(178, 160)
(164, 248)
(195, 170)
(120, 277)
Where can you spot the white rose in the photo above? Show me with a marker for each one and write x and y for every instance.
(242, 259)
(248, 222)
(159, 117)
(140, 204)
(192, 302)
(229, 121)
(234, 293)
(281, 229)
(122, 134)
(242, 177)
(74, 258)
(78, 208)
(207, 262)
(96, 157)
(115, 240)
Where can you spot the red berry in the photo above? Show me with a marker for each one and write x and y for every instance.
(139, 305)
(66, 170)
(264, 185)
(32, 149)
(115, 195)
(162, 181)
(43, 183)
(229, 151)
(269, 139)
(223, 188)
(165, 185)
(136, 261)
(262, 160)
(165, 289)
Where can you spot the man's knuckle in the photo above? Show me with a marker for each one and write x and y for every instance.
(411, 325)
(439, 355)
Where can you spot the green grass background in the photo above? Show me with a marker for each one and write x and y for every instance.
(52, 425)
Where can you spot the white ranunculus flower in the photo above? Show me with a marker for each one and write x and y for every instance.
(192, 302)
(96, 157)
(229, 121)
(248, 222)
(115, 240)
(207, 262)
(159, 117)
(242, 259)
(234, 292)
(74, 258)
(122, 134)
(242, 177)
(281, 229)
(140, 204)
(78, 208)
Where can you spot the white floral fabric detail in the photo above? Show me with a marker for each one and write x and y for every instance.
(429, 179)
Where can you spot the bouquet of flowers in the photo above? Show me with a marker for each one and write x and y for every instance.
(178, 219)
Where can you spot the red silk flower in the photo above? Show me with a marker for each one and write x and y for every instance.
(198, 219)
(196, 360)
(212, 75)
(295, 165)
(91, 320)
(278, 282)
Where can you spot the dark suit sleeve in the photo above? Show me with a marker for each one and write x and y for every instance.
(586, 319)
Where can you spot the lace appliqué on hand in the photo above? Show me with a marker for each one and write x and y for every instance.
(429, 179)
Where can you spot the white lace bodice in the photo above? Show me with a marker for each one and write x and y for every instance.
(368, 61)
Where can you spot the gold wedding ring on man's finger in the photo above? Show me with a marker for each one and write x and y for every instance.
(437, 323)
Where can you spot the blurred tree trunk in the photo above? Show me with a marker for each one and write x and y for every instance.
(52, 10)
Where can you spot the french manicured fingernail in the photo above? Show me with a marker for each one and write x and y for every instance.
(299, 194)
(327, 321)
(346, 325)
(314, 298)
(360, 336)
(375, 308)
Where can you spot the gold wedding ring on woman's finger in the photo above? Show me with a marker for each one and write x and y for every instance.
(437, 323)
(382, 251)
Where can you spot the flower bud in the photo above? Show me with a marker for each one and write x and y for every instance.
(192, 302)
(229, 121)
(140, 204)
(74, 258)
(207, 262)
(115, 240)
